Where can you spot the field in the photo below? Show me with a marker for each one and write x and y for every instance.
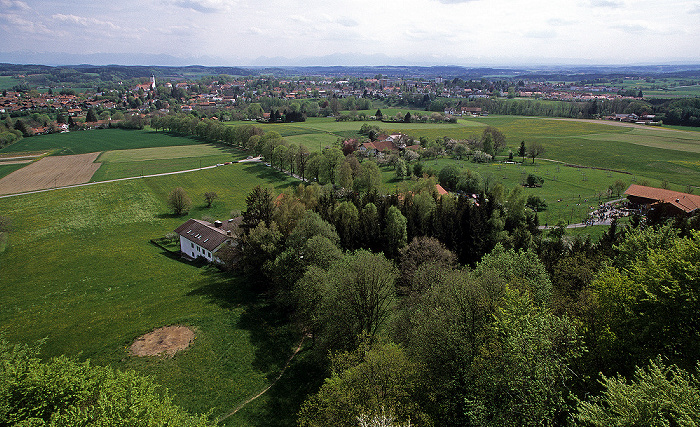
(117, 164)
(91, 141)
(49, 172)
(7, 82)
(647, 153)
(74, 291)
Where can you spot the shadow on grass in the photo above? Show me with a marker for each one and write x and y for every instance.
(274, 338)
(271, 175)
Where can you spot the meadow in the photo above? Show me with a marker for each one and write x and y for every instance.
(649, 154)
(91, 141)
(75, 292)
(117, 164)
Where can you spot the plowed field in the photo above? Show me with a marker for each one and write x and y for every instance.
(49, 172)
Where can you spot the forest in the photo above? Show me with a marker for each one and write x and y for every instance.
(440, 310)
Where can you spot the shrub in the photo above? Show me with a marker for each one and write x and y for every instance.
(481, 157)
(534, 181)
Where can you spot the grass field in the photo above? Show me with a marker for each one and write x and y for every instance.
(75, 291)
(6, 169)
(7, 82)
(97, 140)
(148, 161)
(648, 153)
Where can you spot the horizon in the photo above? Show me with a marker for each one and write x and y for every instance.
(241, 33)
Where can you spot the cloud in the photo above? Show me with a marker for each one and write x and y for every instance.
(14, 5)
(556, 22)
(21, 25)
(204, 6)
(695, 9)
(541, 34)
(607, 3)
(85, 22)
(347, 22)
(455, 1)
(633, 27)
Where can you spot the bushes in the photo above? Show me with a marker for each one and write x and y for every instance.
(64, 392)
(533, 181)
(481, 157)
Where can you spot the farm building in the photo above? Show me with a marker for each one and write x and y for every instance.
(203, 239)
(669, 202)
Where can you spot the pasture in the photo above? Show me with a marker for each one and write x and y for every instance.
(91, 141)
(64, 280)
(648, 153)
(117, 164)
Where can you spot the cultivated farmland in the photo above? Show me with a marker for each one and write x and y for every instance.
(51, 172)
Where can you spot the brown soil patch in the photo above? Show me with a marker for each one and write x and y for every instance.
(49, 172)
(166, 341)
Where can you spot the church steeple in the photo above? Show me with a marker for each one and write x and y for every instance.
(153, 82)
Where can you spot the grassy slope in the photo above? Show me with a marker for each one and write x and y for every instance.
(75, 291)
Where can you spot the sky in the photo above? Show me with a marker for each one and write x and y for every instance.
(352, 32)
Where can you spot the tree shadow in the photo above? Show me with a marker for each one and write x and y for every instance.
(271, 332)
(274, 338)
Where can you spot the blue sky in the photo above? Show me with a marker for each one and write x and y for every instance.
(357, 32)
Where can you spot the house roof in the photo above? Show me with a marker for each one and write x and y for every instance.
(683, 201)
(203, 233)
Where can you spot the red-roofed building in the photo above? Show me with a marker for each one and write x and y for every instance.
(203, 239)
(673, 202)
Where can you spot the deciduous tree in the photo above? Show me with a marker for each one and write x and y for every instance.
(179, 202)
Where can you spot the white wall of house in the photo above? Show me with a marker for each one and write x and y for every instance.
(193, 250)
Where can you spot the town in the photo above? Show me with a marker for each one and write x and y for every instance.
(60, 109)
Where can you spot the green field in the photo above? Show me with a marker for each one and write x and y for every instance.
(648, 153)
(7, 82)
(8, 169)
(91, 141)
(148, 161)
(75, 291)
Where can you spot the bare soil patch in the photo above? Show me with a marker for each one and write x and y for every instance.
(49, 172)
(166, 341)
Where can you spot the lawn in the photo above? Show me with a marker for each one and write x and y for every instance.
(75, 292)
(569, 192)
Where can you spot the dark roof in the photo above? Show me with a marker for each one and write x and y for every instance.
(683, 201)
(203, 234)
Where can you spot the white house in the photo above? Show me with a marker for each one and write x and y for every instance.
(203, 239)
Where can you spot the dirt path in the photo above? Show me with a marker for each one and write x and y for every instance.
(242, 405)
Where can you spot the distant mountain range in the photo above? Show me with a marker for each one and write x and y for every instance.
(168, 65)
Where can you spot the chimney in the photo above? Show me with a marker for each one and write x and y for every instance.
(217, 224)
(228, 233)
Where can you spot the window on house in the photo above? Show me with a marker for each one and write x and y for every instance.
(192, 244)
